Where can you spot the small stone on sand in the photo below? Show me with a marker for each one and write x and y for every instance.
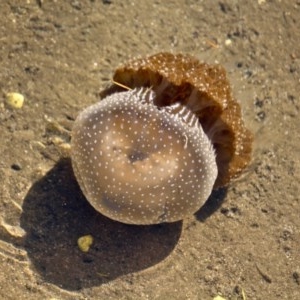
(84, 242)
(15, 100)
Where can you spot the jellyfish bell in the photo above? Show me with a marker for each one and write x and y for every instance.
(140, 164)
(154, 153)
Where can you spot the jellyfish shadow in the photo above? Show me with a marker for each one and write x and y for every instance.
(212, 204)
(55, 214)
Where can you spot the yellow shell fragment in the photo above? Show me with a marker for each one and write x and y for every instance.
(15, 100)
(84, 242)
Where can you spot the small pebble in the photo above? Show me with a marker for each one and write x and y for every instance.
(219, 298)
(16, 167)
(15, 100)
(85, 242)
(228, 42)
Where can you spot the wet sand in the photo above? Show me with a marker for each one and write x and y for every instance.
(60, 55)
